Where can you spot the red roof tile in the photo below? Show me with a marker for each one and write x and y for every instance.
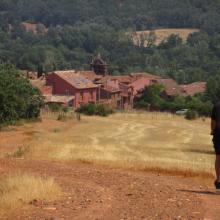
(171, 86)
(123, 79)
(58, 99)
(109, 84)
(111, 89)
(40, 83)
(91, 75)
(143, 74)
(140, 84)
(75, 79)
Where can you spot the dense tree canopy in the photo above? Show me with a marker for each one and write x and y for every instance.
(120, 14)
(18, 99)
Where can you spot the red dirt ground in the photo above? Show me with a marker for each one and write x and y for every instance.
(95, 192)
(100, 193)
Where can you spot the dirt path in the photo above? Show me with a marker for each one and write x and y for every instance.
(100, 193)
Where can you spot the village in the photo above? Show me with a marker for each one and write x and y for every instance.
(74, 88)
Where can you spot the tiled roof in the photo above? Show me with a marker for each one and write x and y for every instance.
(58, 99)
(193, 88)
(171, 86)
(140, 84)
(123, 79)
(111, 89)
(109, 84)
(40, 83)
(103, 79)
(75, 79)
(143, 74)
(128, 79)
(90, 75)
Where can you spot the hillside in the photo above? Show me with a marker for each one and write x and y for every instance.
(143, 14)
(73, 32)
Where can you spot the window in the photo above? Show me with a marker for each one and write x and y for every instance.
(81, 96)
(91, 95)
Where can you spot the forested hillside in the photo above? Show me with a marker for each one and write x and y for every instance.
(77, 30)
(139, 14)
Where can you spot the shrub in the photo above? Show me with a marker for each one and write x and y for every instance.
(191, 115)
(95, 109)
(19, 100)
(55, 107)
(103, 110)
(65, 109)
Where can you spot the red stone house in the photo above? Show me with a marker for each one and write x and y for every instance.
(127, 97)
(140, 84)
(75, 88)
(172, 88)
(70, 83)
(124, 89)
(109, 92)
(139, 81)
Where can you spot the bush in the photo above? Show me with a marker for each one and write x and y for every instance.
(65, 109)
(95, 109)
(19, 100)
(191, 115)
(54, 107)
(103, 110)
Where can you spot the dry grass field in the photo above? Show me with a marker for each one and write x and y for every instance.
(93, 169)
(16, 190)
(131, 140)
(163, 34)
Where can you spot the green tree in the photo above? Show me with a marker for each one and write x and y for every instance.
(18, 99)
(151, 97)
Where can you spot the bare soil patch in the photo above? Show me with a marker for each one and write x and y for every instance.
(95, 192)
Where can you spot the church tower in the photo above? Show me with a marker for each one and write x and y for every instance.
(99, 66)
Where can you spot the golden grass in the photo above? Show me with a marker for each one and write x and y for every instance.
(17, 190)
(163, 34)
(136, 140)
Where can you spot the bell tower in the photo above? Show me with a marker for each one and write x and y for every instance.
(99, 66)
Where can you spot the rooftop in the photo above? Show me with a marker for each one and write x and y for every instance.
(90, 75)
(143, 74)
(75, 79)
(171, 86)
(140, 84)
(58, 99)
